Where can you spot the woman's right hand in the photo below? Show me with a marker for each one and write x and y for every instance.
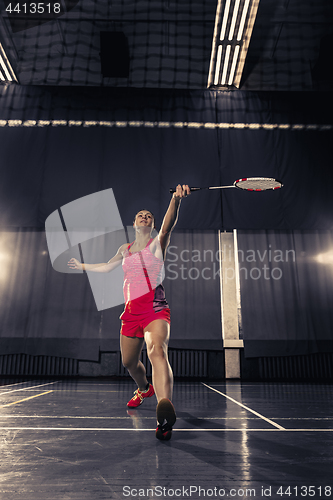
(75, 264)
(181, 191)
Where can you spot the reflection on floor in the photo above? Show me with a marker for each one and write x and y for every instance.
(76, 439)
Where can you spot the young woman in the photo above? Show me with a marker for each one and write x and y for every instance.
(146, 317)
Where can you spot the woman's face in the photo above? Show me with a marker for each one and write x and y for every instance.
(144, 218)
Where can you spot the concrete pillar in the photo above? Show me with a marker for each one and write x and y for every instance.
(229, 305)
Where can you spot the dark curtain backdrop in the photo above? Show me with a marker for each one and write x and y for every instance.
(45, 166)
(43, 311)
(286, 281)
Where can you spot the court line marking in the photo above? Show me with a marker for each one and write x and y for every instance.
(16, 383)
(86, 417)
(28, 388)
(118, 429)
(245, 407)
(25, 399)
(67, 391)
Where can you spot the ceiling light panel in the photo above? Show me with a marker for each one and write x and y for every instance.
(234, 23)
(6, 71)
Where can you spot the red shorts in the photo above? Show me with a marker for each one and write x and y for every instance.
(134, 326)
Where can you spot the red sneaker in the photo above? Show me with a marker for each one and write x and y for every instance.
(139, 396)
(163, 432)
(166, 417)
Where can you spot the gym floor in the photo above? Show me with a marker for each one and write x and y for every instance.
(75, 439)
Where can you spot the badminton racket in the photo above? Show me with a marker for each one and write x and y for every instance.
(246, 184)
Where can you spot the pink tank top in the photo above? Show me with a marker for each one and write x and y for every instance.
(143, 276)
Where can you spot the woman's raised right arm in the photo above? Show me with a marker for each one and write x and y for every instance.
(104, 267)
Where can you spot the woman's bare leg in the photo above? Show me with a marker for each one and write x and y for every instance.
(130, 352)
(157, 337)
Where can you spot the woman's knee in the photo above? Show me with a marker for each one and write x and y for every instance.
(157, 350)
(129, 362)
(130, 351)
(125, 362)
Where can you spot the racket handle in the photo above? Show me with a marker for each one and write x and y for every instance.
(191, 189)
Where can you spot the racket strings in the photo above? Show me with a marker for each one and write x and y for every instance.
(257, 184)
